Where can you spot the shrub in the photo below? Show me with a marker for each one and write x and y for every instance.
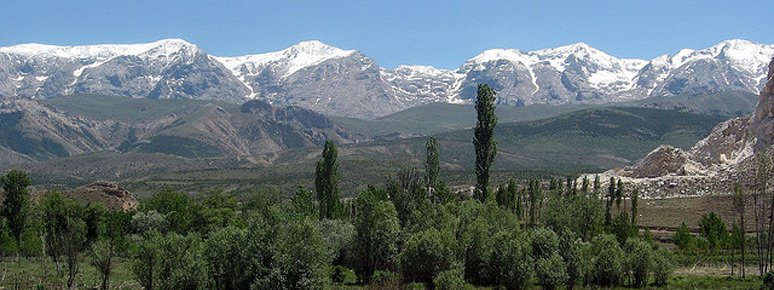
(607, 265)
(683, 238)
(428, 253)
(377, 231)
(385, 280)
(452, 279)
(639, 261)
(510, 261)
(662, 266)
(545, 243)
(228, 258)
(551, 271)
(575, 254)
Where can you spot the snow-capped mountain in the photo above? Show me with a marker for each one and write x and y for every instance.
(334, 81)
(164, 69)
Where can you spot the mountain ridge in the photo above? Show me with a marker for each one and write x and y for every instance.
(348, 83)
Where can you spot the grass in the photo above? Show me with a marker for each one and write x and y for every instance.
(29, 274)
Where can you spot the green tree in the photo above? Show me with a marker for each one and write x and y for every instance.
(609, 202)
(432, 164)
(228, 258)
(178, 208)
(607, 262)
(639, 261)
(713, 229)
(326, 181)
(575, 254)
(114, 229)
(146, 259)
(551, 271)
(377, 233)
(16, 204)
(407, 193)
(619, 195)
(507, 197)
(683, 238)
(510, 260)
(147, 222)
(635, 200)
(535, 196)
(484, 141)
(303, 202)
(622, 228)
(662, 266)
(182, 263)
(452, 279)
(597, 185)
(740, 203)
(67, 233)
(300, 258)
(427, 254)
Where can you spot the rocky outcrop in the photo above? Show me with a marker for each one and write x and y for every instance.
(714, 164)
(662, 161)
(727, 145)
(108, 194)
(763, 119)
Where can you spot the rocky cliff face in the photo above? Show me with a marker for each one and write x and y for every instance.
(715, 163)
(763, 119)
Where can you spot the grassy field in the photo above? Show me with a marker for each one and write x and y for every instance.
(35, 272)
(28, 274)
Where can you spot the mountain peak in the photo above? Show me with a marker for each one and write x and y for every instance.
(315, 49)
(98, 50)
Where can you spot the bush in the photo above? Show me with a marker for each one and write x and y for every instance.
(452, 279)
(683, 238)
(385, 280)
(427, 254)
(377, 231)
(170, 262)
(510, 260)
(662, 266)
(551, 271)
(300, 257)
(639, 261)
(228, 258)
(575, 254)
(768, 281)
(713, 229)
(545, 243)
(607, 265)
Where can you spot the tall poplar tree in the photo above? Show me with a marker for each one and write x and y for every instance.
(483, 141)
(326, 181)
(16, 204)
(432, 164)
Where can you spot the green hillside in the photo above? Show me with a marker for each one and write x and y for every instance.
(584, 141)
(128, 109)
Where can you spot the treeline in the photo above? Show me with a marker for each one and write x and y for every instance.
(388, 235)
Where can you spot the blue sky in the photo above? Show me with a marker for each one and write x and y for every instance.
(439, 33)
